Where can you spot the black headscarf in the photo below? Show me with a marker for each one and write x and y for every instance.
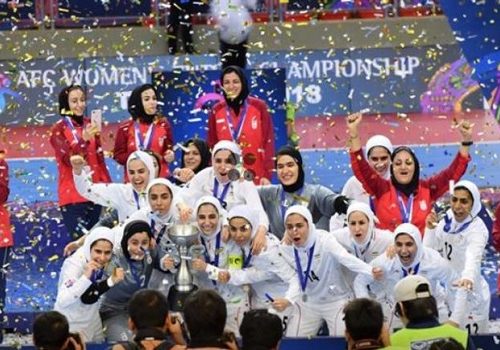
(237, 102)
(412, 186)
(205, 154)
(135, 106)
(131, 229)
(295, 154)
(64, 109)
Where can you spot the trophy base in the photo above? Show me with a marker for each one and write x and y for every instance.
(177, 298)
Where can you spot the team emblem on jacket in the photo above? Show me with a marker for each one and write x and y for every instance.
(423, 205)
(69, 283)
(254, 123)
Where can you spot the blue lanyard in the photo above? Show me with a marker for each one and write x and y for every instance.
(246, 259)
(304, 278)
(447, 226)
(96, 275)
(282, 201)
(69, 123)
(136, 197)
(142, 144)
(223, 194)
(236, 133)
(406, 210)
(139, 278)
(215, 262)
(361, 251)
(411, 271)
(161, 233)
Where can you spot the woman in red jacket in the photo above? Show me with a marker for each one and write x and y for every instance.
(5, 232)
(244, 120)
(405, 197)
(147, 130)
(75, 134)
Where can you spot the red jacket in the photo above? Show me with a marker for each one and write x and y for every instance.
(161, 141)
(496, 229)
(387, 207)
(65, 145)
(257, 134)
(6, 239)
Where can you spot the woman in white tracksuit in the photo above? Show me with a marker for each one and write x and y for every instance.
(360, 237)
(217, 258)
(215, 181)
(319, 290)
(461, 237)
(267, 274)
(411, 258)
(125, 198)
(82, 280)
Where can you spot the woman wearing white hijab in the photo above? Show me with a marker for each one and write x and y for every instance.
(267, 274)
(125, 198)
(81, 282)
(217, 181)
(461, 237)
(378, 150)
(360, 237)
(218, 257)
(319, 290)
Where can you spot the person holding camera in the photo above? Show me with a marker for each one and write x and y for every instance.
(205, 315)
(152, 324)
(75, 134)
(51, 332)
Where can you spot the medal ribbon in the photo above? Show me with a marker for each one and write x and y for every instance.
(236, 133)
(141, 143)
(406, 210)
(304, 278)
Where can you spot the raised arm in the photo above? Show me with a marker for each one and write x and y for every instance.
(120, 149)
(73, 282)
(63, 148)
(368, 177)
(100, 193)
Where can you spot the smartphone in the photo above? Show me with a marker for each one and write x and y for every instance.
(96, 118)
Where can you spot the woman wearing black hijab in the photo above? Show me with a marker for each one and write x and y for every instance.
(74, 134)
(244, 120)
(195, 157)
(405, 197)
(292, 190)
(146, 130)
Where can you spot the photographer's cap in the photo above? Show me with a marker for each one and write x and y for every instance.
(412, 287)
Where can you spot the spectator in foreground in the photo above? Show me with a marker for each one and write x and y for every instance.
(364, 325)
(418, 311)
(205, 315)
(51, 332)
(252, 334)
(151, 323)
